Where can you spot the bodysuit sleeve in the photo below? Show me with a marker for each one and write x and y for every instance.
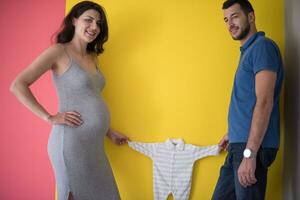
(203, 151)
(147, 149)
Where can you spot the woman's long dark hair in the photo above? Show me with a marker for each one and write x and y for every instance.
(67, 31)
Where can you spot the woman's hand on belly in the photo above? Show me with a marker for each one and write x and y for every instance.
(69, 118)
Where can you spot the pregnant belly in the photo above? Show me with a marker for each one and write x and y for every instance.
(95, 116)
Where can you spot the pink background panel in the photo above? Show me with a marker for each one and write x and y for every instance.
(26, 30)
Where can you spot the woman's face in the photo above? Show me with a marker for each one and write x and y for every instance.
(87, 25)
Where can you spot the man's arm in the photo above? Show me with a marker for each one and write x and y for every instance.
(264, 88)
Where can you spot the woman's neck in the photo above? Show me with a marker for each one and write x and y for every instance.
(79, 47)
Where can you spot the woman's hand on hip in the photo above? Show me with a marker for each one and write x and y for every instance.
(69, 118)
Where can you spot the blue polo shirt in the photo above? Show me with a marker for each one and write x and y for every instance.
(257, 54)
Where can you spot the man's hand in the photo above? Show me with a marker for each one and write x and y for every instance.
(246, 172)
(223, 144)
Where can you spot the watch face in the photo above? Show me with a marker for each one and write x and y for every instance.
(247, 153)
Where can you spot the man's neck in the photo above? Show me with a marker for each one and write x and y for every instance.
(249, 35)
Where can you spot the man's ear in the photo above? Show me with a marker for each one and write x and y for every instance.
(251, 17)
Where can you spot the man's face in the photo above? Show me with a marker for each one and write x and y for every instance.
(237, 22)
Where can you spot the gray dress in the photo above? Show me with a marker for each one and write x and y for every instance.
(77, 154)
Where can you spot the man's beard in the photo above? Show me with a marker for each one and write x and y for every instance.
(244, 33)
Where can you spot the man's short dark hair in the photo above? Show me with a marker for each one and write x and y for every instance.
(245, 5)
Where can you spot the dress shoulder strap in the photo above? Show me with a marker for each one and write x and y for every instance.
(66, 52)
(95, 58)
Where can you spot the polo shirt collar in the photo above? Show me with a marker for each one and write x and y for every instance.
(251, 40)
(175, 144)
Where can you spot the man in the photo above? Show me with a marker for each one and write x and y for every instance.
(253, 119)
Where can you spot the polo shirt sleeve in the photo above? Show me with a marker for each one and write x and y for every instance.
(147, 149)
(266, 56)
(203, 151)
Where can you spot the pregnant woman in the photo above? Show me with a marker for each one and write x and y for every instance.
(75, 146)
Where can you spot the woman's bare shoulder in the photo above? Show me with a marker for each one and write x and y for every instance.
(56, 49)
(53, 53)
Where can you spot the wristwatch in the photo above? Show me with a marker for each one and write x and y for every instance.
(248, 153)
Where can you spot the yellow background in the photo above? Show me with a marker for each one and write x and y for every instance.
(169, 67)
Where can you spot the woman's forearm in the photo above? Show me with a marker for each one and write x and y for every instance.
(25, 96)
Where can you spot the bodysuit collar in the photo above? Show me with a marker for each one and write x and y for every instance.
(175, 144)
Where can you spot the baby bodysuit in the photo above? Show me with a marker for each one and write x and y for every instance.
(173, 162)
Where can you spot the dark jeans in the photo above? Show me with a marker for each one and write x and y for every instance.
(228, 186)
